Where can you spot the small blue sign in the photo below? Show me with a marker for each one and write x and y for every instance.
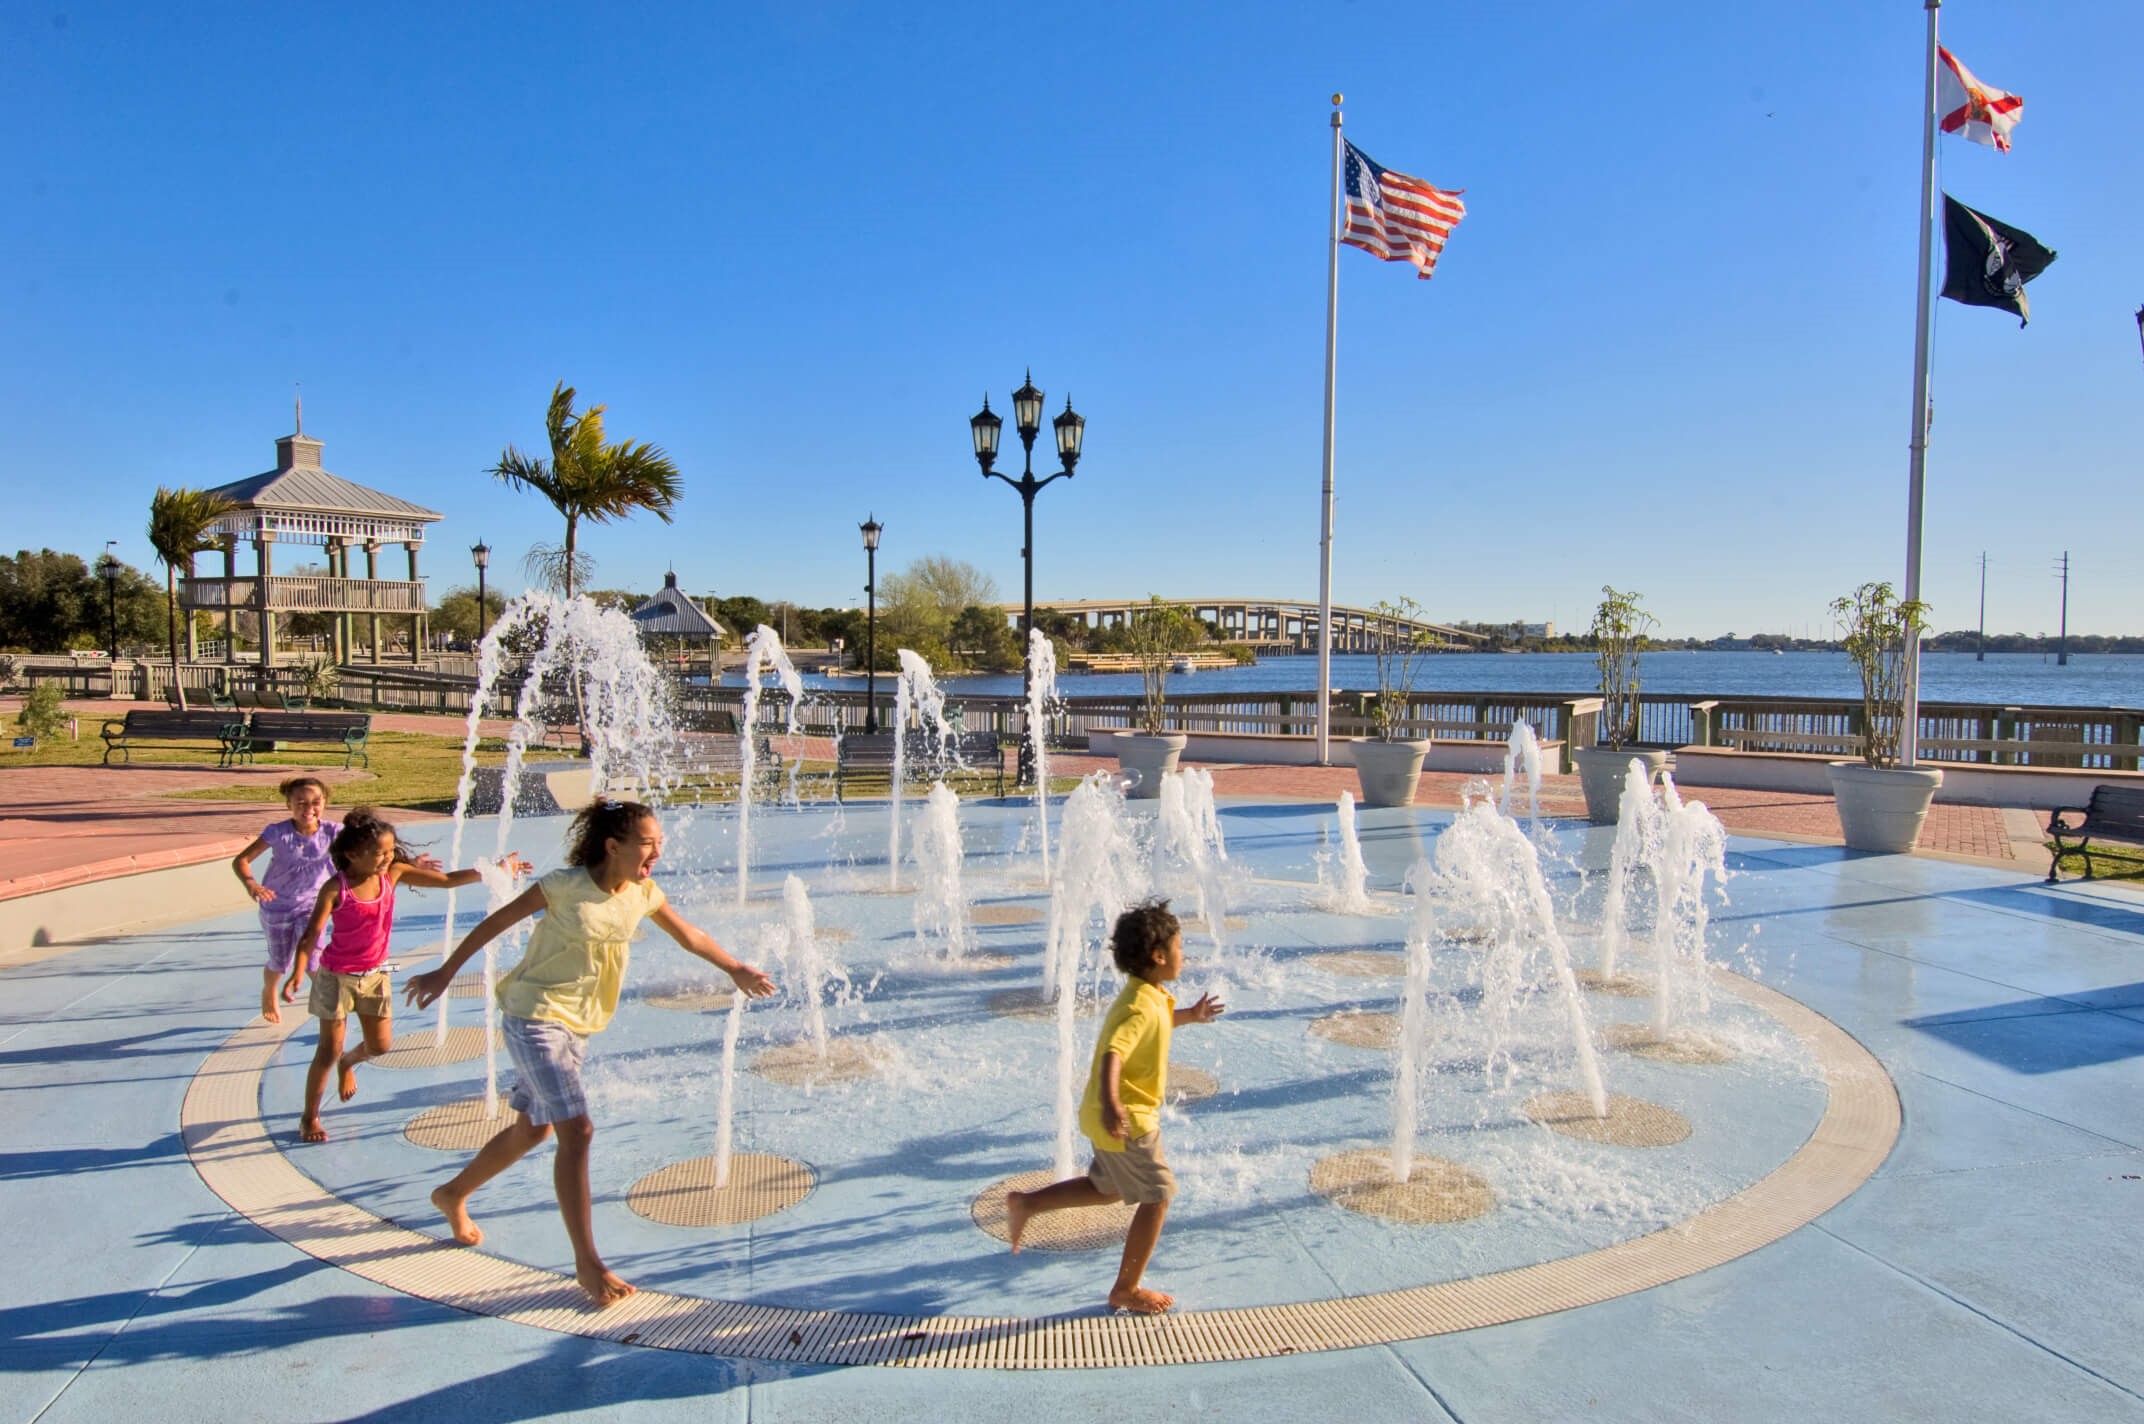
(25, 741)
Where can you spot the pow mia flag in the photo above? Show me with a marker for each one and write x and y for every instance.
(1988, 263)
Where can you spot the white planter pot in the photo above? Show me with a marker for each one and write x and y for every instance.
(1602, 772)
(1153, 756)
(1881, 808)
(1388, 771)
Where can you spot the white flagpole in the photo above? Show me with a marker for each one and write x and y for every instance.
(1325, 537)
(1910, 703)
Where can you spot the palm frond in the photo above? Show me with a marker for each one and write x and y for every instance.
(180, 521)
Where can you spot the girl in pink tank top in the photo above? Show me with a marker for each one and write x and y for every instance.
(356, 909)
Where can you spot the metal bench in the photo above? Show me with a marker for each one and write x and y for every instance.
(162, 726)
(2115, 813)
(272, 731)
(868, 757)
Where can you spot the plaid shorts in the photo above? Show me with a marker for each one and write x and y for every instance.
(547, 1069)
(283, 932)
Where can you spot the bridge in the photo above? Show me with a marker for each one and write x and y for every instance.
(1271, 625)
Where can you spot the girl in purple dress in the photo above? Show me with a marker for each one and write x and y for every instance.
(298, 866)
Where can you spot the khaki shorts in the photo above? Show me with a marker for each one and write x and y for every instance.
(337, 996)
(1139, 1174)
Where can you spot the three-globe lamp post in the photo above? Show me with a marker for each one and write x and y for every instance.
(1027, 420)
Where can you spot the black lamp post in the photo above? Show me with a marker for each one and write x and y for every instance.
(871, 529)
(481, 552)
(108, 566)
(1027, 419)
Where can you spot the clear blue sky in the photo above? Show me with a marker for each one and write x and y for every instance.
(1669, 349)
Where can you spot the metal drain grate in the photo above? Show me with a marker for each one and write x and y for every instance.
(231, 1149)
(416, 1049)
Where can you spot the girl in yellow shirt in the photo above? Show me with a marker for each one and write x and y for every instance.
(564, 989)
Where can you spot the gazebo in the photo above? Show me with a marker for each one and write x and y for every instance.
(673, 618)
(298, 502)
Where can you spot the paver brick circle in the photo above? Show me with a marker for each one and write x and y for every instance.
(1083, 1228)
(684, 1193)
(1436, 1192)
(1629, 1122)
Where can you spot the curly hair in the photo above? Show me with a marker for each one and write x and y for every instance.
(601, 821)
(297, 783)
(362, 826)
(1141, 936)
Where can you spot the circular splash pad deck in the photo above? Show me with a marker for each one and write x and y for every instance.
(231, 1147)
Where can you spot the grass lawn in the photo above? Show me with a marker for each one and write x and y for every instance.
(408, 769)
(2109, 864)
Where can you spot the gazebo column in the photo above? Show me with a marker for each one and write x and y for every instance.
(230, 610)
(193, 642)
(372, 572)
(419, 631)
(264, 559)
(339, 621)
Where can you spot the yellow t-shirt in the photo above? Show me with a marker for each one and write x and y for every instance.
(575, 964)
(1136, 1029)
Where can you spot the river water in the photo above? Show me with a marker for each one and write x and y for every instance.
(2005, 679)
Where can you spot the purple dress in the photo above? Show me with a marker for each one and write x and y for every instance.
(297, 867)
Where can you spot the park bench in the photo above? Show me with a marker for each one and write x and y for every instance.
(253, 699)
(275, 731)
(868, 757)
(2115, 813)
(205, 727)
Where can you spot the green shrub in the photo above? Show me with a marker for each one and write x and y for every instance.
(41, 715)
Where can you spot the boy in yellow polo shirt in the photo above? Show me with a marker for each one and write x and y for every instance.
(1121, 1113)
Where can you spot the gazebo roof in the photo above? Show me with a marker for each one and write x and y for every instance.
(670, 614)
(299, 500)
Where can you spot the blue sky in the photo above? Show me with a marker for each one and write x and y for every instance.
(1669, 349)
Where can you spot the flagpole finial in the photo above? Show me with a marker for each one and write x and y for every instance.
(1337, 98)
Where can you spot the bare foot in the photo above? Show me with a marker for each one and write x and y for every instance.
(269, 1011)
(290, 993)
(603, 1286)
(1017, 1211)
(456, 1211)
(311, 1130)
(345, 1079)
(1141, 1301)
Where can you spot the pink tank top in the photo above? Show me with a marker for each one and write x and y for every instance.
(358, 930)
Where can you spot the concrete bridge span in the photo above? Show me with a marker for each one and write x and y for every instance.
(1271, 625)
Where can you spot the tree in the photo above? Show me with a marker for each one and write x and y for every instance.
(587, 479)
(918, 604)
(457, 615)
(179, 524)
(51, 602)
(981, 638)
(1157, 633)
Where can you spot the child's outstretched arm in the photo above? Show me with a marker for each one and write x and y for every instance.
(308, 943)
(431, 877)
(422, 989)
(242, 867)
(695, 940)
(1206, 1010)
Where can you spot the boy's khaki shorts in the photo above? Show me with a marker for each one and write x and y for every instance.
(336, 996)
(1139, 1174)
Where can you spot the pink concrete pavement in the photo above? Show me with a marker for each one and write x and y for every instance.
(68, 825)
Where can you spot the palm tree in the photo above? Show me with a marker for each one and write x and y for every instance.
(586, 479)
(179, 524)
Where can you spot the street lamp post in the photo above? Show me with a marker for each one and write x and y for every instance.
(481, 552)
(108, 566)
(871, 529)
(1027, 420)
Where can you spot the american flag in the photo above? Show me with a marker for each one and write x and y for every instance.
(1395, 217)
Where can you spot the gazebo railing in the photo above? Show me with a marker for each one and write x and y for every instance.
(304, 593)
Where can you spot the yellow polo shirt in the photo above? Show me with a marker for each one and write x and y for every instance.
(575, 964)
(1136, 1029)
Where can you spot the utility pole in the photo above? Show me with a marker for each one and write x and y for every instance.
(2062, 644)
(1982, 655)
